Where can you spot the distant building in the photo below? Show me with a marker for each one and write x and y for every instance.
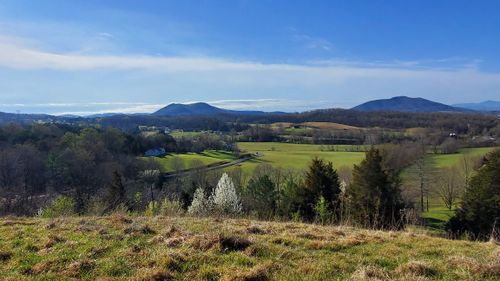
(155, 152)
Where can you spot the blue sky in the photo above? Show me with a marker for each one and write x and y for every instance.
(135, 56)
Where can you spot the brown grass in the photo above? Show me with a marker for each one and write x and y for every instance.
(196, 249)
(329, 125)
(371, 273)
(415, 268)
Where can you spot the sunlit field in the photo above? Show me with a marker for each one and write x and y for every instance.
(182, 248)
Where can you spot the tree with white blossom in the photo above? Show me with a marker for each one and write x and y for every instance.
(224, 198)
(201, 205)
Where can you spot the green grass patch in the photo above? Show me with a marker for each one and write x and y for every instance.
(297, 156)
(207, 157)
(448, 160)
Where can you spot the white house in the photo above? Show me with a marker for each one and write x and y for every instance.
(155, 152)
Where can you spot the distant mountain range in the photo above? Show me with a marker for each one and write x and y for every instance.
(481, 106)
(400, 104)
(407, 104)
(202, 109)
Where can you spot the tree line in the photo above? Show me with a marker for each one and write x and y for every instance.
(56, 169)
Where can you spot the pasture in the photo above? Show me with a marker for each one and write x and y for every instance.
(207, 157)
(448, 160)
(123, 247)
(298, 156)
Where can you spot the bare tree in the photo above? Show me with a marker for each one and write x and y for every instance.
(150, 177)
(422, 175)
(466, 168)
(450, 186)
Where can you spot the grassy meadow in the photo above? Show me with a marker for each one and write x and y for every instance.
(207, 157)
(448, 160)
(297, 156)
(182, 248)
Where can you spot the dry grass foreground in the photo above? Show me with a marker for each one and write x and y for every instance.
(167, 248)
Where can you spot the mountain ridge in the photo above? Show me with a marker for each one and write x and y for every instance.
(407, 104)
(488, 105)
(203, 109)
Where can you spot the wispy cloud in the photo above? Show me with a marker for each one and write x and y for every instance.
(91, 108)
(143, 108)
(253, 84)
(311, 42)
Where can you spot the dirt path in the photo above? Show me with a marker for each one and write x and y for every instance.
(209, 168)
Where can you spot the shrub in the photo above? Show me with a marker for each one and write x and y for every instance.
(321, 210)
(171, 207)
(62, 206)
(152, 209)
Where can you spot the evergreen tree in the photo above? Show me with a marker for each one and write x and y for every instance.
(260, 195)
(321, 181)
(374, 195)
(481, 202)
(116, 193)
(224, 197)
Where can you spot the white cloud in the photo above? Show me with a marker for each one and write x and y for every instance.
(255, 85)
(143, 108)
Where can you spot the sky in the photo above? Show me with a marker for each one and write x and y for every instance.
(98, 56)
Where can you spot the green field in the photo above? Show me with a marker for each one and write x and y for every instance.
(297, 156)
(123, 247)
(438, 214)
(448, 160)
(208, 157)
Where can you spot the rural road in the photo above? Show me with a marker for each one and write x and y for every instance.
(210, 168)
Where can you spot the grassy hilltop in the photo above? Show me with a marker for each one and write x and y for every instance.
(168, 248)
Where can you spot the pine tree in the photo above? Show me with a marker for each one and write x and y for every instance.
(374, 195)
(480, 206)
(261, 195)
(116, 194)
(321, 181)
(224, 197)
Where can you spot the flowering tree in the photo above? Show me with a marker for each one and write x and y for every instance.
(224, 197)
(200, 204)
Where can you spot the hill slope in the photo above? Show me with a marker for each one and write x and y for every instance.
(407, 104)
(166, 248)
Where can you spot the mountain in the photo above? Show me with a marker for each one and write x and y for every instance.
(407, 104)
(199, 108)
(202, 109)
(488, 105)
